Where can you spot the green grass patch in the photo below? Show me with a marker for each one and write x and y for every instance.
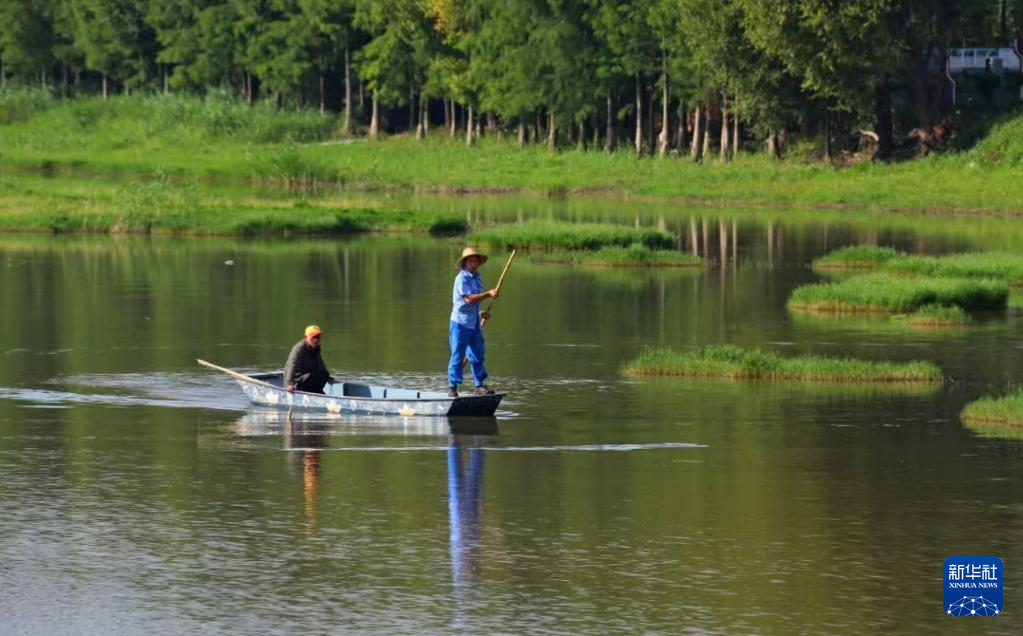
(218, 135)
(635, 255)
(995, 265)
(163, 204)
(885, 293)
(728, 361)
(857, 257)
(938, 316)
(556, 235)
(1007, 410)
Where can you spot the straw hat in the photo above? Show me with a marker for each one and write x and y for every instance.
(466, 253)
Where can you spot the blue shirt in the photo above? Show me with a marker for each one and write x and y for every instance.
(462, 313)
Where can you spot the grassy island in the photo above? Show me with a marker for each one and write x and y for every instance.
(635, 255)
(856, 257)
(728, 361)
(1007, 410)
(938, 317)
(561, 236)
(994, 265)
(886, 293)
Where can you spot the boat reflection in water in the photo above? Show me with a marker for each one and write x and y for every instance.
(307, 434)
(264, 422)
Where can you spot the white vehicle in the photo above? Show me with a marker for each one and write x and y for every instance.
(984, 59)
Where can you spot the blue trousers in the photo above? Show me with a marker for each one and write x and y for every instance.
(465, 342)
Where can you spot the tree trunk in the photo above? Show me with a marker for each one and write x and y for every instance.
(348, 93)
(454, 119)
(581, 142)
(648, 126)
(596, 129)
(424, 114)
(166, 79)
(662, 139)
(735, 127)
(420, 132)
(772, 145)
(468, 128)
(447, 115)
(883, 121)
(680, 136)
(106, 87)
(522, 134)
(491, 122)
(413, 121)
(827, 134)
(374, 122)
(639, 119)
(705, 155)
(724, 128)
(609, 137)
(323, 95)
(921, 94)
(694, 150)
(552, 132)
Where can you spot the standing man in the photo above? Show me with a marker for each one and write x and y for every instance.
(466, 332)
(305, 369)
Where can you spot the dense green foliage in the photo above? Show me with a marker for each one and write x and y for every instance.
(729, 361)
(574, 72)
(886, 293)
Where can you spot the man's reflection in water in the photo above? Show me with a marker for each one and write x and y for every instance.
(465, 507)
(311, 442)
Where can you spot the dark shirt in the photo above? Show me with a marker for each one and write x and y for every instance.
(305, 369)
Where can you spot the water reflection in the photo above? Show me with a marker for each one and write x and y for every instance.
(266, 422)
(465, 511)
(309, 440)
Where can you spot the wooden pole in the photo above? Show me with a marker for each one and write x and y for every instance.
(500, 281)
(234, 374)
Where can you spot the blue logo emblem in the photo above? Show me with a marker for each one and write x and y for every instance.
(973, 586)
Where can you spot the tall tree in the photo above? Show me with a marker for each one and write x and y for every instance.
(27, 38)
(115, 40)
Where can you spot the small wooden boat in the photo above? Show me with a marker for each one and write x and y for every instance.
(267, 389)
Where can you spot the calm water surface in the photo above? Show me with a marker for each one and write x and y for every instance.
(139, 494)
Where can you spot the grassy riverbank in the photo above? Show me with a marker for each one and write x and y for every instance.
(165, 205)
(727, 361)
(135, 135)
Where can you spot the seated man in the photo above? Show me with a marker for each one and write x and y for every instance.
(305, 369)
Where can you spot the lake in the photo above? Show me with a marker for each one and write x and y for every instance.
(139, 493)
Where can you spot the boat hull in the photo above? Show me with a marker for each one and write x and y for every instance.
(348, 398)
